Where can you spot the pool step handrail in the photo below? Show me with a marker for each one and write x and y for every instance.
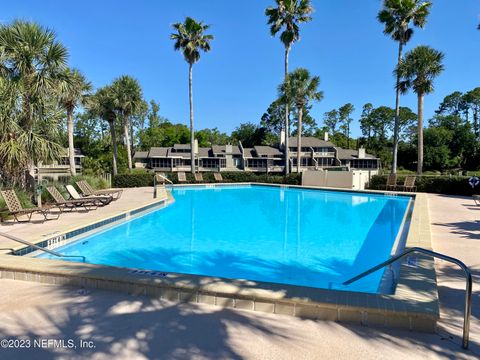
(466, 270)
(51, 252)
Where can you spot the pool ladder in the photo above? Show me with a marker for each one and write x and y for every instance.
(51, 252)
(466, 270)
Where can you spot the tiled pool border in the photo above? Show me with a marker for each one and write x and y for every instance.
(414, 305)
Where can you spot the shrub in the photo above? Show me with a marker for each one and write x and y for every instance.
(146, 179)
(449, 185)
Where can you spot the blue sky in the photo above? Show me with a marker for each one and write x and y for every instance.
(237, 80)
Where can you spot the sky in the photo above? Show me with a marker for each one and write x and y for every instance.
(236, 81)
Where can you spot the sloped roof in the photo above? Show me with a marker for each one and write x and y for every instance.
(267, 150)
(221, 149)
(158, 152)
(140, 155)
(348, 154)
(309, 141)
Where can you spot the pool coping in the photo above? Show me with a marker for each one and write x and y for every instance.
(413, 306)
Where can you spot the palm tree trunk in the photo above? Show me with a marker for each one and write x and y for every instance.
(396, 126)
(114, 146)
(299, 137)
(71, 148)
(192, 134)
(287, 118)
(420, 134)
(127, 141)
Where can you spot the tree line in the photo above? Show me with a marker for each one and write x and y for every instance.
(45, 105)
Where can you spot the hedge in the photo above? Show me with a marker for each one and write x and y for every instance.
(449, 185)
(146, 179)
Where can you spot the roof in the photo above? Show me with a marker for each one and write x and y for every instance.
(267, 150)
(249, 153)
(348, 154)
(76, 152)
(309, 141)
(181, 146)
(204, 152)
(221, 149)
(158, 152)
(140, 155)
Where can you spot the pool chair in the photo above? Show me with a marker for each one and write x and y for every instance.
(476, 198)
(181, 176)
(87, 190)
(199, 177)
(98, 200)
(409, 184)
(391, 182)
(70, 205)
(16, 209)
(218, 176)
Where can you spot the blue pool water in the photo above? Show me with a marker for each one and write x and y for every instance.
(284, 235)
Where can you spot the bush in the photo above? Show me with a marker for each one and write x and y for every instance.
(146, 179)
(449, 185)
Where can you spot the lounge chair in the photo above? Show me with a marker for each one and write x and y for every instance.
(87, 204)
(476, 198)
(218, 176)
(87, 190)
(181, 176)
(199, 177)
(409, 184)
(16, 209)
(98, 200)
(391, 182)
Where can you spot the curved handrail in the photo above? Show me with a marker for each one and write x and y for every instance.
(468, 276)
(51, 252)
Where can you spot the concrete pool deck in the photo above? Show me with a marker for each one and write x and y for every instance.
(453, 221)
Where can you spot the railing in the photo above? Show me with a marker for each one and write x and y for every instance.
(155, 182)
(51, 252)
(466, 270)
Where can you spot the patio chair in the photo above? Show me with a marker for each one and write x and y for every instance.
(87, 190)
(63, 205)
(98, 200)
(16, 209)
(199, 177)
(409, 184)
(181, 176)
(476, 198)
(218, 176)
(391, 182)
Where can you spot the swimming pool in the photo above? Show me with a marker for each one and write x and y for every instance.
(296, 236)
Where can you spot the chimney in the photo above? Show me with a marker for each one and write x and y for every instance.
(228, 149)
(361, 153)
(195, 146)
(282, 139)
(325, 136)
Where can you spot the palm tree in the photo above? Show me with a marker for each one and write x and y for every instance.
(32, 59)
(299, 89)
(397, 15)
(73, 91)
(127, 100)
(417, 70)
(287, 16)
(190, 38)
(102, 105)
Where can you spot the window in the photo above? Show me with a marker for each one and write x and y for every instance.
(256, 163)
(160, 163)
(209, 163)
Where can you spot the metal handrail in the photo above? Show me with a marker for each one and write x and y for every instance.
(51, 252)
(468, 288)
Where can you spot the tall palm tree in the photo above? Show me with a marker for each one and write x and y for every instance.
(102, 104)
(32, 59)
(190, 38)
(287, 16)
(299, 89)
(127, 100)
(397, 15)
(73, 91)
(417, 71)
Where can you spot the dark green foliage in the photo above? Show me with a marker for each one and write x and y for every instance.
(146, 179)
(449, 185)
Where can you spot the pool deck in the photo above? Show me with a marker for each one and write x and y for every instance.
(140, 327)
